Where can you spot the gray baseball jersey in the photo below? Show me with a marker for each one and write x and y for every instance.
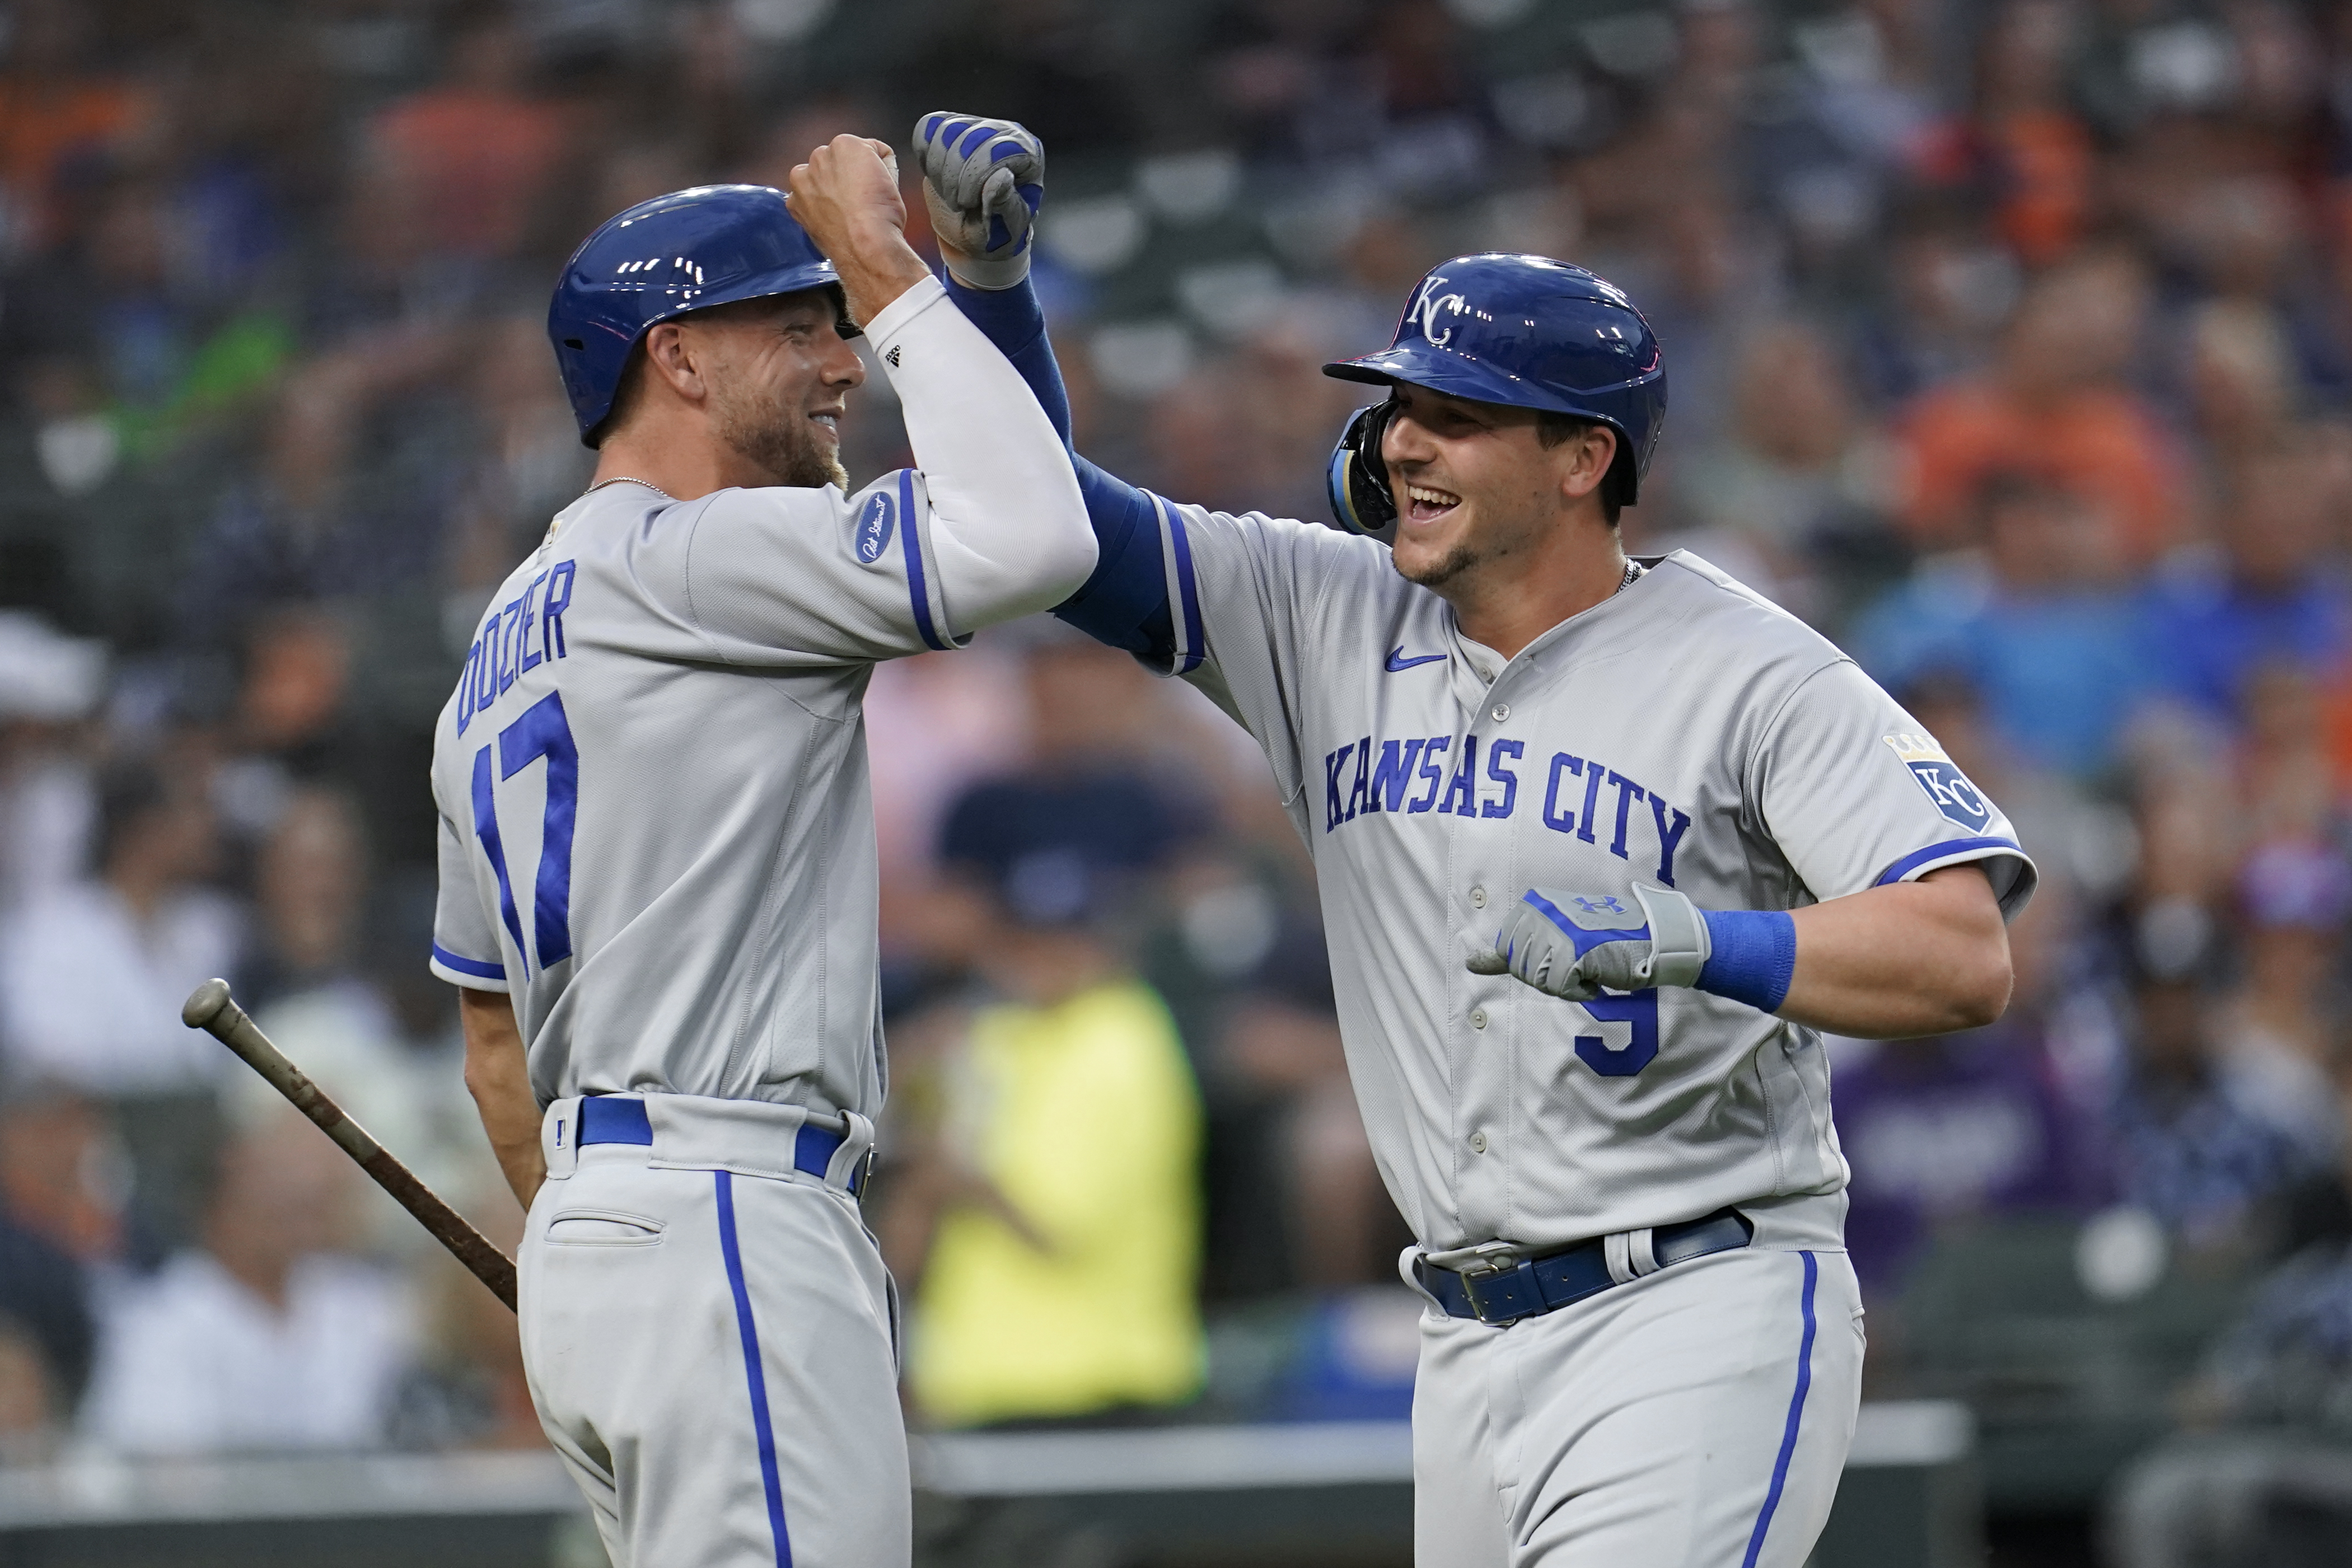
(1684, 731)
(656, 830)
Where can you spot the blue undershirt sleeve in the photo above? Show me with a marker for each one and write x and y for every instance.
(1125, 602)
(1013, 321)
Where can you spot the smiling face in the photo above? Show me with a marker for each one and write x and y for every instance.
(777, 372)
(1476, 486)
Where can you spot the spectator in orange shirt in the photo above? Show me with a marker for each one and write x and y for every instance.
(2038, 152)
(479, 153)
(2053, 403)
(2022, 146)
(53, 111)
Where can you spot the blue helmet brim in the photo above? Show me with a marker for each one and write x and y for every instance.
(1459, 375)
(784, 280)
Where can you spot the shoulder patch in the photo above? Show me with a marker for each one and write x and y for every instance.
(1946, 785)
(877, 520)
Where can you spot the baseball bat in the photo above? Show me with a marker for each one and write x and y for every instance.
(211, 1008)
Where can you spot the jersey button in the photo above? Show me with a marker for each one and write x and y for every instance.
(1502, 712)
(1478, 1143)
(1477, 898)
(1477, 1018)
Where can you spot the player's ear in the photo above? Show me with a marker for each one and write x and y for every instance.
(1586, 457)
(674, 356)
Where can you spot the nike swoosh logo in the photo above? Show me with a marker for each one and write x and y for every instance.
(1397, 661)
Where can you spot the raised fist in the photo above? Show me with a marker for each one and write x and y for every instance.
(846, 196)
(982, 180)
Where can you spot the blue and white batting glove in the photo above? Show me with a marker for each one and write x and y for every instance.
(982, 181)
(1574, 946)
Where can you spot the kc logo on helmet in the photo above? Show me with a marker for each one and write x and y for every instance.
(1428, 303)
(1946, 785)
(876, 521)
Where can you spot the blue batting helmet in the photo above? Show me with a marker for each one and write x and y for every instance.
(710, 245)
(1521, 330)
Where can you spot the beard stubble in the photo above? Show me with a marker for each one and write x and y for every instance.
(781, 442)
(1495, 538)
(1441, 571)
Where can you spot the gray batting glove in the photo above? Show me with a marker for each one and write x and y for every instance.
(1574, 946)
(982, 180)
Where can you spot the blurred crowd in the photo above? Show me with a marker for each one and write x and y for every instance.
(2010, 345)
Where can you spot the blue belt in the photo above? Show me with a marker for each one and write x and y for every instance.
(622, 1119)
(1515, 1288)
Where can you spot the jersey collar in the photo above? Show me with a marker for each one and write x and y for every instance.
(1593, 624)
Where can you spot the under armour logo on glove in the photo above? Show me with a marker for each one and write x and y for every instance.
(982, 181)
(1575, 946)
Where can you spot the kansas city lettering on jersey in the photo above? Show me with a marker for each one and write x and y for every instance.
(1582, 796)
(520, 634)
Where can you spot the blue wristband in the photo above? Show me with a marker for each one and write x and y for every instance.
(1754, 952)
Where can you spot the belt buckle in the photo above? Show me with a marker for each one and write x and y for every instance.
(1491, 1261)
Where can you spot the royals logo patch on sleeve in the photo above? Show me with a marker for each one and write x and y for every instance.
(1946, 785)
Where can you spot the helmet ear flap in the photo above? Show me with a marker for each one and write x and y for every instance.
(1362, 501)
(1622, 483)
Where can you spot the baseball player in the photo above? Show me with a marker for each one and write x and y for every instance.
(1602, 843)
(659, 882)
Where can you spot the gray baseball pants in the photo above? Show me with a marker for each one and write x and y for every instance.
(1696, 1418)
(708, 1333)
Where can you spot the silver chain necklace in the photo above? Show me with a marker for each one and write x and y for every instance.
(556, 522)
(626, 479)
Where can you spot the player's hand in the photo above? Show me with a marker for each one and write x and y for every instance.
(846, 196)
(982, 180)
(1574, 946)
(848, 191)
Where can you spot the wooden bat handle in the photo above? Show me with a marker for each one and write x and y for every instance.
(210, 1008)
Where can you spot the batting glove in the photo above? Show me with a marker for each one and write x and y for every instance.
(982, 180)
(1574, 946)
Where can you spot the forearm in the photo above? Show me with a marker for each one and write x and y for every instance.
(498, 1075)
(875, 276)
(1908, 958)
(1013, 321)
(1124, 602)
(982, 181)
(1009, 528)
(1921, 957)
